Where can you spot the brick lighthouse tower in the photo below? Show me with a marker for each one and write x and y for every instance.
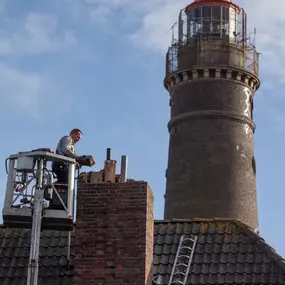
(211, 76)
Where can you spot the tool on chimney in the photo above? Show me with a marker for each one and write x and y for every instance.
(86, 160)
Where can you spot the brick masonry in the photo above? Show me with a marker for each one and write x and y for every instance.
(209, 53)
(211, 170)
(114, 233)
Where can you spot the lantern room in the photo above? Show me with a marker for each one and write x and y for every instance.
(214, 19)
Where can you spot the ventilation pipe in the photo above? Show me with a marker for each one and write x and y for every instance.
(124, 168)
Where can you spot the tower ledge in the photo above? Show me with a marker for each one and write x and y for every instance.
(199, 73)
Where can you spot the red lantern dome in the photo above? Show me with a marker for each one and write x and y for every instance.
(197, 3)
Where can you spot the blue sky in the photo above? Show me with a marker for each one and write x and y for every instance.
(99, 65)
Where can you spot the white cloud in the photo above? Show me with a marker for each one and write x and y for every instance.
(33, 95)
(266, 16)
(103, 11)
(269, 20)
(155, 18)
(18, 89)
(36, 34)
(154, 31)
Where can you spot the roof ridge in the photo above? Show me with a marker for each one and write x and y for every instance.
(252, 234)
(216, 219)
(266, 248)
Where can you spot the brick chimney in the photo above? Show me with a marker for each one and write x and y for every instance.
(114, 233)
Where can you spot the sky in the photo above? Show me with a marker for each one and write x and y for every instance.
(99, 65)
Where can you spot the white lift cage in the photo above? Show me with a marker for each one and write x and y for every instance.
(33, 210)
(29, 181)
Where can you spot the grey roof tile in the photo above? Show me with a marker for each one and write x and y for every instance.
(15, 251)
(227, 252)
(195, 229)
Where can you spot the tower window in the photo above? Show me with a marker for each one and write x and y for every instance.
(253, 165)
(215, 21)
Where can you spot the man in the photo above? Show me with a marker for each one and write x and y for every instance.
(66, 147)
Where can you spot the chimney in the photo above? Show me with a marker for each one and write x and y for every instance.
(114, 232)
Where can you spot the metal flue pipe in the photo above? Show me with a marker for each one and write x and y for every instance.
(124, 168)
(108, 154)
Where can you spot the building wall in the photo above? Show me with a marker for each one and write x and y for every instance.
(210, 53)
(114, 233)
(211, 164)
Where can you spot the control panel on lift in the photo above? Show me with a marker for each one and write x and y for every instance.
(32, 171)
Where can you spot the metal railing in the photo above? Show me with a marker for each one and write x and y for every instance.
(213, 23)
(249, 56)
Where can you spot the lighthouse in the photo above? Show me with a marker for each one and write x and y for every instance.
(211, 77)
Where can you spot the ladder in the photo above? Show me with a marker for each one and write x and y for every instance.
(183, 260)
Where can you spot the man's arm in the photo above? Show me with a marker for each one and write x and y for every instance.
(68, 147)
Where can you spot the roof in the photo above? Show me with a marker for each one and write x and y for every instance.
(15, 252)
(227, 252)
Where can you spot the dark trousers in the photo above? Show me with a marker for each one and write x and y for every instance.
(61, 172)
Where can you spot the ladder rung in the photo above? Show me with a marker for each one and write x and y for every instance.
(189, 239)
(179, 273)
(183, 264)
(176, 271)
(183, 255)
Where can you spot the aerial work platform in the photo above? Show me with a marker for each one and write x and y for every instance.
(35, 202)
(30, 178)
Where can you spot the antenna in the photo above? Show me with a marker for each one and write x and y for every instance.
(172, 29)
(254, 35)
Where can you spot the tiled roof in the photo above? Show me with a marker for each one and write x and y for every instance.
(227, 252)
(15, 251)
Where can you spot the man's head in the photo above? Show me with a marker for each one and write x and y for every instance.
(76, 135)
